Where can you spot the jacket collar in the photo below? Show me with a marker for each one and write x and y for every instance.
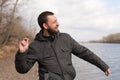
(40, 37)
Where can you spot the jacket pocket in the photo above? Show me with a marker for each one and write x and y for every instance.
(66, 55)
(65, 49)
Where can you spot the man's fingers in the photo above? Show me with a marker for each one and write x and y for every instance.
(107, 73)
(24, 42)
(26, 39)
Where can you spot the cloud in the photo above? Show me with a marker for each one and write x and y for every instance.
(89, 19)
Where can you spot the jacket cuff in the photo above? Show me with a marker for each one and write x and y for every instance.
(105, 67)
(21, 56)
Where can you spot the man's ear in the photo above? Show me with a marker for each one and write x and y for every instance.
(45, 26)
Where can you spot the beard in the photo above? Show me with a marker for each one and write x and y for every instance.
(52, 31)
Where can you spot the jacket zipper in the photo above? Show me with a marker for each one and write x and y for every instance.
(58, 61)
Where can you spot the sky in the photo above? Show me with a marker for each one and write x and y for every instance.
(84, 20)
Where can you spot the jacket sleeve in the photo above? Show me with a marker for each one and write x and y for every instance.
(84, 53)
(25, 61)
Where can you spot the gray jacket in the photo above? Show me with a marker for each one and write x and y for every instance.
(53, 55)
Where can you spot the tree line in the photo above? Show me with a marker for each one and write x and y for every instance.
(111, 38)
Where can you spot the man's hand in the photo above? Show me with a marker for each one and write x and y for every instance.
(23, 45)
(107, 73)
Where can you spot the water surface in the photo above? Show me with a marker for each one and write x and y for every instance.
(110, 53)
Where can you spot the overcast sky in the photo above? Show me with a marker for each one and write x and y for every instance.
(83, 19)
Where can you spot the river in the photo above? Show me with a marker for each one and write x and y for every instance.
(110, 53)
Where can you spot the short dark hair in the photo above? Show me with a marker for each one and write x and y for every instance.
(42, 18)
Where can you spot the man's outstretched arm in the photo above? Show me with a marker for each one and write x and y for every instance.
(84, 53)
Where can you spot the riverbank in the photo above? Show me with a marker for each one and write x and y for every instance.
(8, 71)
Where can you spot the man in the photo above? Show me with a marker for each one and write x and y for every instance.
(52, 51)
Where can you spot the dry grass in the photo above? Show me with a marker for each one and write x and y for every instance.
(12, 45)
(8, 50)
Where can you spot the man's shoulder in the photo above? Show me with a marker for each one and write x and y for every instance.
(64, 34)
(36, 46)
(34, 43)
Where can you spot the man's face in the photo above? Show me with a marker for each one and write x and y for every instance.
(52, 24)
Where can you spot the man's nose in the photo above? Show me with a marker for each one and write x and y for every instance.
(57, 24)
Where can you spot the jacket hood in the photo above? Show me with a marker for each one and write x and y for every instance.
(39, 36)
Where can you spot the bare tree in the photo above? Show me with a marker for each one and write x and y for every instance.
(8, 26)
